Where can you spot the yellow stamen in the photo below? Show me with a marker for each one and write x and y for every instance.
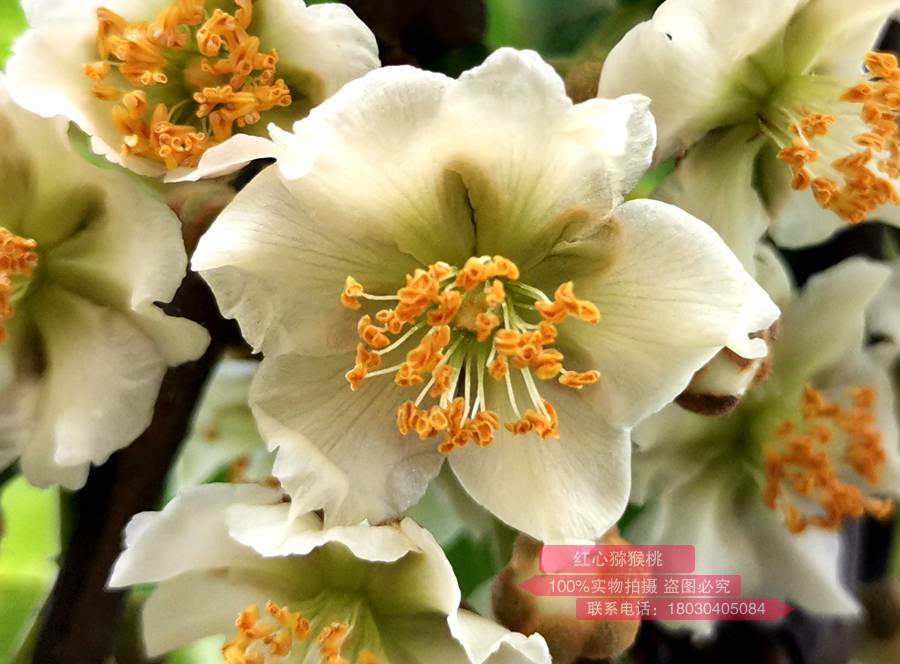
(578, 379)
(862, 179)
(544, 426)
(275, 636)
(352, 290)
(566, 304)
(806, 463)
(18, 258)
(468, 331)
(242, 83)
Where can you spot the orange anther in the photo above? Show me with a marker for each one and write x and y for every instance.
(371, 334)
(578, 379)
(485, 323)
(351, 293)
(806, 462)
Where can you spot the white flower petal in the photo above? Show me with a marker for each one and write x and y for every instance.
(338, 449)
(225, 158)
(426, 585)
(189, 534)
(827, 320)
(774, 275)
(197, 604)
(714, 182)
(131, 256)
(328, 41)
(884, 312)
(830, 37)
(64, 12)
(686, 59)
(573, 487)
(489, 643)
(804, 568)
(535, 166)
(670, 298)
(271, 531)
(801, 222)
(99, 387)
(49, 188)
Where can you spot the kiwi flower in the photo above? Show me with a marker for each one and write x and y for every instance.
(85, 256)
(158, 83)
(781, 107)
(227, 560)
(445, 268)
(765, 491)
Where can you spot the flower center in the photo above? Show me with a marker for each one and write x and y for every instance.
(468, 322)
(184, 79)
(815, 469)
(862, 147)
(275, 634)
(17, 261)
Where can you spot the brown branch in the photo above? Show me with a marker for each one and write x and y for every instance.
(81, 616)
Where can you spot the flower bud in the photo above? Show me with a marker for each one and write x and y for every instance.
(554, 617)
(718, 386)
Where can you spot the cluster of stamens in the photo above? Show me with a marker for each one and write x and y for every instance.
(17, 259)
(276, 634)
(862, 180)
(814, 460)
(233, 85)
(470, 321)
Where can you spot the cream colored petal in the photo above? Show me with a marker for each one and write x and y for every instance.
(327, 41)
(690, 59)
(48, 187)
(831, 36)
(883, 315)
(670, 297)
(573, 487)
(99, 387)
(801, 222)
(536, 168)
(338, 449)
(129, 256)
(189, 535)
(200, 604)
(774, 275)
(271, 530)
(225, 158)
(489, 643)
(714, 182)
(827, 320)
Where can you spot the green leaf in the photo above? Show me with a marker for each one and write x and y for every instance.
(473, 561)
(552, 28)
(12, 24)
(28, 551)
